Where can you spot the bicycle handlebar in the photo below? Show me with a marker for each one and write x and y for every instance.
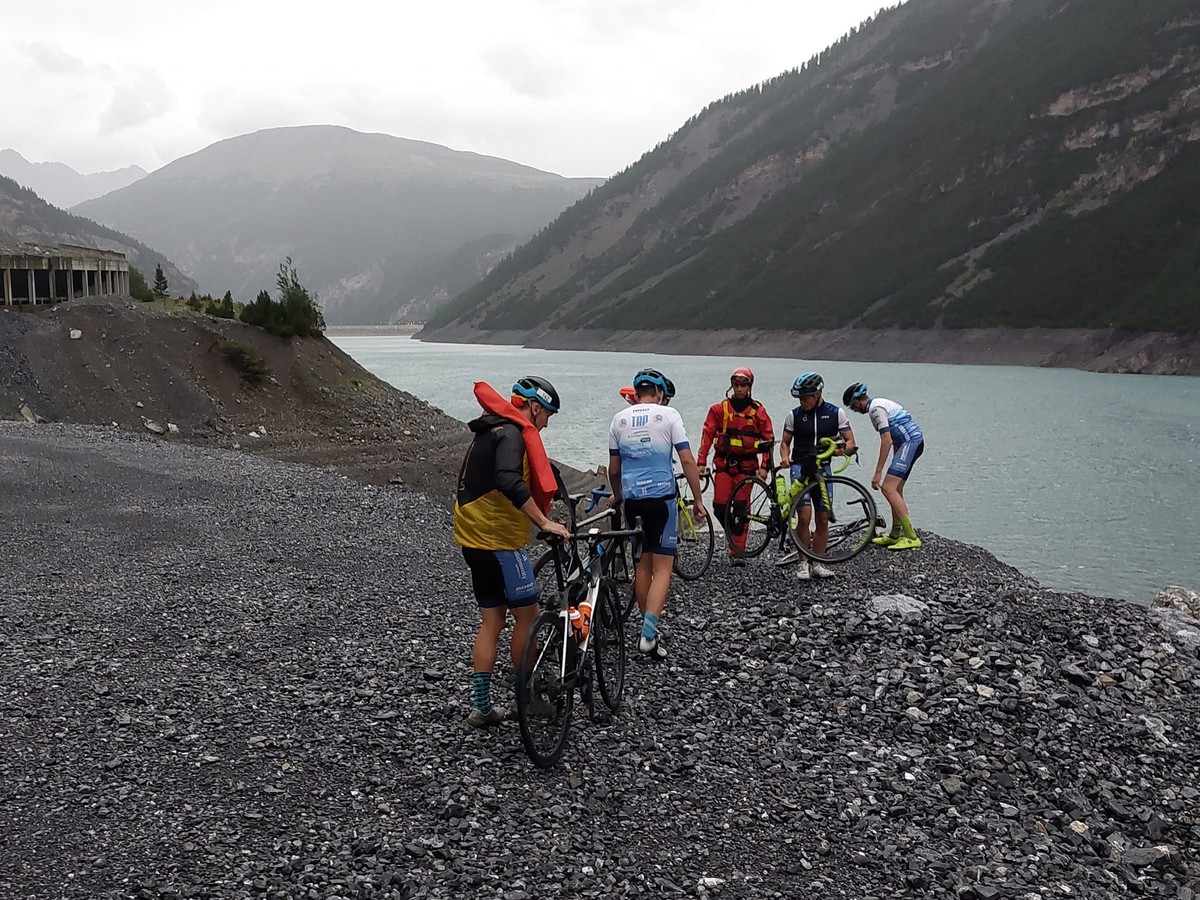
(593, 534)
(598, 494)
(610, 513)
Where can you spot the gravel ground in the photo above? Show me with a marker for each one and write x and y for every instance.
(227, 676)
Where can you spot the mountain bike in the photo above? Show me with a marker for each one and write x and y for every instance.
(694, 552)
(767, 510)
(568, 649)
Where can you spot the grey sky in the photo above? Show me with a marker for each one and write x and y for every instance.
(578, 87)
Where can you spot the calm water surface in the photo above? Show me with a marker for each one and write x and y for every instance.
(1086, 481)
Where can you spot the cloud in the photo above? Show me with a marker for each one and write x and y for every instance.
(528, 69)
(54, 60)
(140, 100)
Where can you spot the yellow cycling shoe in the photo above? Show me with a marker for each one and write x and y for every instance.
(884, 540)
(905, 543)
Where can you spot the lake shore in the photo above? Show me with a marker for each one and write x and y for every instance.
(1098, 350)
(271, 664)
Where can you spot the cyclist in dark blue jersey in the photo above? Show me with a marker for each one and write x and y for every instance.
(803, 430)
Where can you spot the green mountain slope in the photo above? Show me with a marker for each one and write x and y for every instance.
(362, 215)
(951, 163)
(31, 220)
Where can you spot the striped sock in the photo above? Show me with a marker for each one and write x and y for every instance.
(907, 525)
(649, 627)
(481, 691)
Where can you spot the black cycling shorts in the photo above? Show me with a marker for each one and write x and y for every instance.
(501, 577)
(659, 523)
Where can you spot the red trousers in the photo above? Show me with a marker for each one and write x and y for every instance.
(723, 482)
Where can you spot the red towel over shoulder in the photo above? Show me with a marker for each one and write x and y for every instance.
(542, 484)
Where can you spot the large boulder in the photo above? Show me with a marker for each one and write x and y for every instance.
(1180, 599)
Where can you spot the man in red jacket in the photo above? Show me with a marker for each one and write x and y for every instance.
(733, 430)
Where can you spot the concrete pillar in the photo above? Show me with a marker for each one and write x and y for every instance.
(53, 272)
(71, 281)
(32, 287)
(8, 287)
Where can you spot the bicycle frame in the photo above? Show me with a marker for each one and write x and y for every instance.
(775, 524)
(598, 543)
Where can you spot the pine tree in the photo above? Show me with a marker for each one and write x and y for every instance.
(160, 282)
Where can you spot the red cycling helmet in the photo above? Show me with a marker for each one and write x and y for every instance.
(742, 372)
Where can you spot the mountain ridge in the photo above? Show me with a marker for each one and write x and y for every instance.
(381, 228)
(950, 164)
(59, 184)
(27, 218)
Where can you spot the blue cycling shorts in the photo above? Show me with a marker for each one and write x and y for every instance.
(798, 474)
(501, 577)
(904, 456)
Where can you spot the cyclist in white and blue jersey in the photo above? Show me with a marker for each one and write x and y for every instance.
(641, 443)
(900, 436)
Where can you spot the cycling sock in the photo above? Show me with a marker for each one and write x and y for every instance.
(907, 525)
(481, 691)
(649, 627)
(896, 529)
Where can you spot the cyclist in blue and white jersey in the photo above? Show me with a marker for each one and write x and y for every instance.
(900, 436)
(803, 430)
(641, 443)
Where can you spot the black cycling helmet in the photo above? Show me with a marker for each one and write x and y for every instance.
(852, 393)
(651, 376)
(532, 387)
(807, 385)
(669, 390)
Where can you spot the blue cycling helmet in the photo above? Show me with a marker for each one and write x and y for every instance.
(531, 387)
(808, 385)
(854, 392)
(651, 376)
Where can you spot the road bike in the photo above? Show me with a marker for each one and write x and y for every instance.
(614, 553)
(694, 552)
(766, 510)
(576, 642)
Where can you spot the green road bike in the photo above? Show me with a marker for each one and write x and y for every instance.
(766, 510)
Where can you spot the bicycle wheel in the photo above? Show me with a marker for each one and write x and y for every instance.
(750, 509)
(609, 646)
(694, 551)
(616, 561)
(851, 519)
(547, 694)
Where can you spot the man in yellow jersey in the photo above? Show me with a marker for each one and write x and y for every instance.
(505, 484)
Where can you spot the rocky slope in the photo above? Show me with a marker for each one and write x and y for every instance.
(134, 363)
(229, 677)
(158, 367)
